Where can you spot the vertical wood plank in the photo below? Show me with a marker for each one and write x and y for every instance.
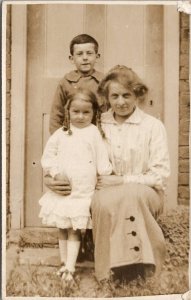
(124, 37)
(94, 24)
(35, 93)
(153, 59)
(18, 105)
(60, 30)
(63, 23)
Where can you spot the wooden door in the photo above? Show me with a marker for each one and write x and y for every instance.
(127, 34)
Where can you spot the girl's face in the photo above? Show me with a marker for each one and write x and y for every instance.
(81, 112)
(122, 101)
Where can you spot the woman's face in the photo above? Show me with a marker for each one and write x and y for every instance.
(122, 101)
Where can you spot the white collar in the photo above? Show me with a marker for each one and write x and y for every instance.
(136, 117)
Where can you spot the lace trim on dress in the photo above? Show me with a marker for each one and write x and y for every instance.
(80, 222)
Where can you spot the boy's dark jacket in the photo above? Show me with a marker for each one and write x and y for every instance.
(70, 81)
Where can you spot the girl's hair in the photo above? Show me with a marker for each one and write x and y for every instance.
(90, 97)
(127, 78)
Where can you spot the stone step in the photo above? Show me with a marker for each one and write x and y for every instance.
(48, 257)
(38, 256)
(34, 237)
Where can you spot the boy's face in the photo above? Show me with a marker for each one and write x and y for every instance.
(84, 57)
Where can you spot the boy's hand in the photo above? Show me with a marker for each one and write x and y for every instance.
(60, 185)
(108, 180)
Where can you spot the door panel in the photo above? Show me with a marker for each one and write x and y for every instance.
(124, 38)
(134, 37)
(127, 34)
(62, 22)
(95, 26)
(47, 62)
(153, 59)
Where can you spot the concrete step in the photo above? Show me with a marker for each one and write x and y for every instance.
(48, 257)
(40, 256)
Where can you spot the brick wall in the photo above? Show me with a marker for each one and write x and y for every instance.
(8, 107)
(184, 109)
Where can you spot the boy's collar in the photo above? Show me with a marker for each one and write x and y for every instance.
(74, 76)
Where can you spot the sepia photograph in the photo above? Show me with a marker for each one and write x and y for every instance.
(95, 149)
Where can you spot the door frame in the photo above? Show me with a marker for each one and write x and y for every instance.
(18, 105)
(18, 116)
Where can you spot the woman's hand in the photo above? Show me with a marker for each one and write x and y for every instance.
(59, 186)
(108, 180)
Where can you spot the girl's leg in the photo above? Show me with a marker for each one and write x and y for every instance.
(73, 246)
(62, 240)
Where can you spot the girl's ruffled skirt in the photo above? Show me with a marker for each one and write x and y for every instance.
(65, 211)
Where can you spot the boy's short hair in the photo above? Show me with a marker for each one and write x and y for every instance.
(83, 39)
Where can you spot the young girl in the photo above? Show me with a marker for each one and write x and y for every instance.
(75, 152)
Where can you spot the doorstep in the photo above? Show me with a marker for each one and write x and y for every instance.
(48, 257)
(39, 256)
(35, 246)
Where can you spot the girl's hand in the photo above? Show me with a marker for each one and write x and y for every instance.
(59, 186)
(108, 180)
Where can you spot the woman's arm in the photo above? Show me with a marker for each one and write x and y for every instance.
(61, 187)
(110, 180)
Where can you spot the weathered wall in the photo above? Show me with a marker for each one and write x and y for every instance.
(8, 107)
(184, 112)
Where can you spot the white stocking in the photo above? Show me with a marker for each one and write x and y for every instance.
(63, 250)
(72, 254)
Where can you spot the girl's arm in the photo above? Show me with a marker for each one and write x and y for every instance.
(49, 163)
(158, 165)
(50, 154)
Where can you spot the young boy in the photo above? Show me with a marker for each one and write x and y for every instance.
(84, 54)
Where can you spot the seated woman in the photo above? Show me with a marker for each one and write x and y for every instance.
(126, 204)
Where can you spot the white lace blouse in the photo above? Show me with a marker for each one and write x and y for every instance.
(138, 148)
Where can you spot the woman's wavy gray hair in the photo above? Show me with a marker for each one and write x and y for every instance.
(127, 78)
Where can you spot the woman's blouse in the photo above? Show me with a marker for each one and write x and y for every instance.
(138, 148)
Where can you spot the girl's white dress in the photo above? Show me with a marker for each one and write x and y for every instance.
(80, 157)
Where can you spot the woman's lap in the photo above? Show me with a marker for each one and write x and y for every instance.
(111, 197)
(118, 213)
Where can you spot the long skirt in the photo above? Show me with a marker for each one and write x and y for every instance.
(125, 230)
